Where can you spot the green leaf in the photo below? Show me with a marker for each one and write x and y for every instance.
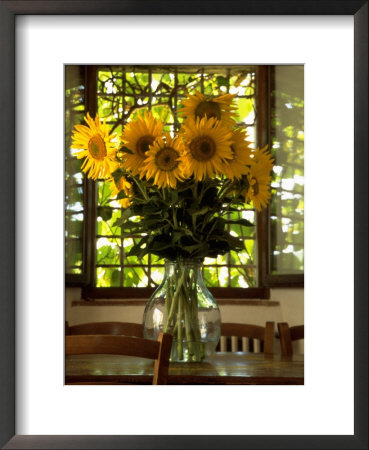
(129, 225)
(159, 242)
(176, 236)
(191, 248)
(210, 197)
(222, 81)
(233, 242)
(115, 278)
(199, 212)
(174, 195)
(217, 247)
(104, 212)
(152, 209)
(139, 249)
(127, 213)
(122, 220)
(152, 224)
(243, 222)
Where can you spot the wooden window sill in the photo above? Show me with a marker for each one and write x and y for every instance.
(143, 301)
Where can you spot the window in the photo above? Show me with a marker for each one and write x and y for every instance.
(116, 94)
(282, 226)
(74, 180)
(287, 138)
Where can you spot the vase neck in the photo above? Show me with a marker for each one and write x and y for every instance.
(187, 265)
(184, 263)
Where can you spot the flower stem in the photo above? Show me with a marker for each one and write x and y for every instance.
(182, 312)
(192, 319)
(175, 222)
(180, 328)
(174, 302)
(144, 194)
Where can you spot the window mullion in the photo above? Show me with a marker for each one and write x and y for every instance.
(91, 190)
(263, 138)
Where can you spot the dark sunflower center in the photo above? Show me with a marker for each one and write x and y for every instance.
(143, 144)
(208, 108)
(203, 148)
(167, 159)
(96, 147)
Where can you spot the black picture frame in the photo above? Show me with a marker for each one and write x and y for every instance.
(8, 11)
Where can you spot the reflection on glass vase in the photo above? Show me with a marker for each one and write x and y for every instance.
(184, 307)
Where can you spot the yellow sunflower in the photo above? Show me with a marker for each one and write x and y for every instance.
(121, 185)
(208, 144)
(138, 136)
(95, 145)
(199, 106)
(163, 162)
(259, 179)
(239, 164)
(263, 157)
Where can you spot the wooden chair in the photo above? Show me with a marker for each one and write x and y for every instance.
(287, 335)
(125, 345)
(242, 334)
(112, 328)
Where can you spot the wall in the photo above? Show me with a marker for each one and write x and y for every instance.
(285, 305)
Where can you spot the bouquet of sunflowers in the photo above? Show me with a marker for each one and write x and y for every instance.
(177, 189)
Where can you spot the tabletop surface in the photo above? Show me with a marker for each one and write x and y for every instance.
(220, 368)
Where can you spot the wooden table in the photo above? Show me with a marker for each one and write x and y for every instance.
(220, 368)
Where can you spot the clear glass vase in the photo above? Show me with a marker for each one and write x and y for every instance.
(183, 306)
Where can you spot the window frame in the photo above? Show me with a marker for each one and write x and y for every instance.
(266, 280)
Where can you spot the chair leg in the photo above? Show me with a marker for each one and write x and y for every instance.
(269, 338)
(161, 365)
(285, 338)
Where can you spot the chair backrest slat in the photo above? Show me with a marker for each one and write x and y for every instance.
(269, 338)
(287, 335)
(297, 332)
(112, 345)
(114, 328)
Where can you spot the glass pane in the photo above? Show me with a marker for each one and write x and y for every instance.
(74, 113)
(287, 206)
(108, 277)
(108, 251)
(73, 252)
(135, 277)
(157, 275)
(242, 277)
